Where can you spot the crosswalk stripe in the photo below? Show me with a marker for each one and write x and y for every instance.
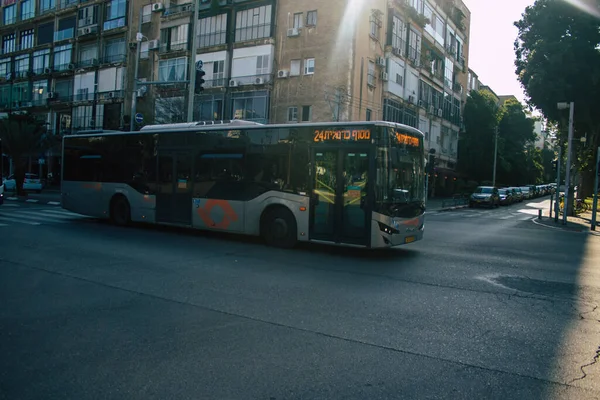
(37, 216)
(3, 218)
(64, 213)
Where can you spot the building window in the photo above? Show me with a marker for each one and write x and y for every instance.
(26, 39)
(218, 77)
(251, 106)
(306, 113)
(9, 43)
(88, 16)
(66, 29)
(292, 114)
(21, 92)
(311, 18)
(45, 33)
(145, 50)
(174, 38)
(10, 14)
(295, 67)
(262, 65)
(298, 20)
(371, 74)
(172, 70)
(114, 17)
(47, 5)
(114, 50)
(212, 31)
(398, 36)
(64, 89)
(88, 54)
(393, 111)
(375, 24)
(254, 23)
(368, 117)
(448, 72)
(309, 66)
(22, 66)
(41, 61)
(147, 13)
(62, 57)
(5, 67)
(414, 48)
(27, 9)
(40, 92)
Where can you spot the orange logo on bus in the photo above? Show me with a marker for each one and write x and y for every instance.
(228, 211)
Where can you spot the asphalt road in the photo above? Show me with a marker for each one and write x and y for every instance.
(486, 306)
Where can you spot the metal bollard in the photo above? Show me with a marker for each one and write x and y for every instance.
(540, 213)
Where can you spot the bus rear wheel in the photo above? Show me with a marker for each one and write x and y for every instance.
(279, 228)
(120, 212)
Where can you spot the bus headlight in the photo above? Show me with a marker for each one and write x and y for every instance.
(387, 229)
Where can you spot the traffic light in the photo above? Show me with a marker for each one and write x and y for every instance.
(199, 80)
(431, 163)
(555, 164)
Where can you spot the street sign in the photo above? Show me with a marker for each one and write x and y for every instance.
(199, 64)
(139, 118)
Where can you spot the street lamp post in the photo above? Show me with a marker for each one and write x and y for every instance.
(571, 107)
(558, 165)
(495, 157)
(595, 202)
(191, 67)
(138, 37)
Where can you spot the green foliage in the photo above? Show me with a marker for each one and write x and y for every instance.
(476, 145)
(518, 162)
(23, 135)
(557, 60)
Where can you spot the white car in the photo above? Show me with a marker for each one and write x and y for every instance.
(32, 183)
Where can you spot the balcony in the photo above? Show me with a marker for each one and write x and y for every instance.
(178, 9)
(110, 95)
(114, 58)
(114, 24)
(250, 80)
(65, 34)
(62, 4)
(215, 83)
(173, 47)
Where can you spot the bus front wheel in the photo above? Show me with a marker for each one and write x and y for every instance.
(279, 228)
(120, 212)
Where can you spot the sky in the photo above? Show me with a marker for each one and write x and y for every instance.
(491, 51)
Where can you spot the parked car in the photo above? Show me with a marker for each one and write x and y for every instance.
(506, 197)
(31, 183)
(526, 192)
(485, 195)
(517, 194)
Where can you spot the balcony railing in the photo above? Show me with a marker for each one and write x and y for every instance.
(64, 34)
(250, 80)
(114, 58)
(214, 83)
(173, 46)
(114, 24)
(182, 8)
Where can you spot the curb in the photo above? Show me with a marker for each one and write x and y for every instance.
(572, 230)
(450, 208)
(36, 201)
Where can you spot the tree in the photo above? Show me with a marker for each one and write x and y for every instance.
(516, 133)
(476, 145)
(170, 110)
(23, 136)
(557, 60)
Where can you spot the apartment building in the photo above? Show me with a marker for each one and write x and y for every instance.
(403, 61)
(64, 60)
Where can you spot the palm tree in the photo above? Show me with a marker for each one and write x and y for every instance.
(23, 135)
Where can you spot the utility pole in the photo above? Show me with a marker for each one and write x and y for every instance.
(495, 156)
(558, 165)
(595, 202)
(568, 172)
(192, 66)
(138, 38)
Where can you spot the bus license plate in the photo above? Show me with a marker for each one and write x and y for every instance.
(409, 239)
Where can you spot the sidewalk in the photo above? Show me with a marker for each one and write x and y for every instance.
(49, 197)
(579, 224)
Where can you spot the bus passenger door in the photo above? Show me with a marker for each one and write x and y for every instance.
(174, 189)
(339, 210)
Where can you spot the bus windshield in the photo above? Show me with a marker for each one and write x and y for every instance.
(400, 190)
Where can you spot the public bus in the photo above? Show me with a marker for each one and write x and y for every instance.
(345, 183)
